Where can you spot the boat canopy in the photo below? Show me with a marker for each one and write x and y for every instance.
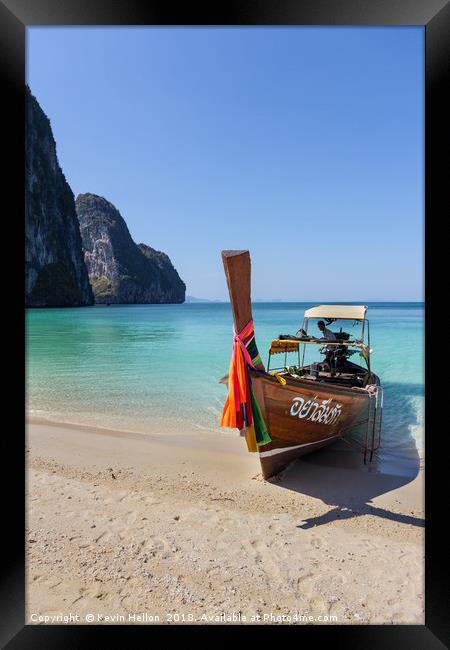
(351, 312)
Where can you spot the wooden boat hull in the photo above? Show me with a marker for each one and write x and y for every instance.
(302, 418)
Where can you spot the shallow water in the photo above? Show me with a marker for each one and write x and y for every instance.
(155, 368)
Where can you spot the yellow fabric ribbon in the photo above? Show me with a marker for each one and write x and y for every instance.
(250, 438)
(279, 378)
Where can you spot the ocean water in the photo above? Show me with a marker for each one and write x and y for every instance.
(156, 368)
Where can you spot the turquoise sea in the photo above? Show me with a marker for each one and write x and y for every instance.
(156, 368)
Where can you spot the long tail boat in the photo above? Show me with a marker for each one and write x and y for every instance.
(295, 409)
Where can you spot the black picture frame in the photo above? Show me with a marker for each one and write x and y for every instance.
(434, 15)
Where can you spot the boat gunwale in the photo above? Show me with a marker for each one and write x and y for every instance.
(328, 387)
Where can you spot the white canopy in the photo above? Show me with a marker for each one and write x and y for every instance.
(352, 312)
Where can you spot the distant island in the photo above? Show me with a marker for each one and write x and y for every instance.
(193, 299)
(78, 253)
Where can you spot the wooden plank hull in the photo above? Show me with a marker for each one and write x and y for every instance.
(302, 417)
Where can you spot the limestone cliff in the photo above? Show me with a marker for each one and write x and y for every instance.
(55, 272)
(120, 271)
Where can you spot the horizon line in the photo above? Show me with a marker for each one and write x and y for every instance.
(282, 300)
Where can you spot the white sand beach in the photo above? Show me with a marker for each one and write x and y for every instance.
(130, 528)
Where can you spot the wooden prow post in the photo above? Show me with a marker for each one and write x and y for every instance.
(238, 273)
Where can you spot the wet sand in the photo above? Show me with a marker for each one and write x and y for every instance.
(131, 528)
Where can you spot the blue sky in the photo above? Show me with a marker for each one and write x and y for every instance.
(304, 145)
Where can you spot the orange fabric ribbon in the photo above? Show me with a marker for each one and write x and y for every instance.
(237, 411)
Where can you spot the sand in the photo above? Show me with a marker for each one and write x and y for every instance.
(141, 529)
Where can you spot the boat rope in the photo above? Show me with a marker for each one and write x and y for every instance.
(241, 409)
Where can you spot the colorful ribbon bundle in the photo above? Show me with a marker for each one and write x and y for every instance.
(241, 410)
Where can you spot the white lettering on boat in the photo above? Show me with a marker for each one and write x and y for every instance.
(315, 410)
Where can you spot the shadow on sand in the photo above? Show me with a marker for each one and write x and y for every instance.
(338, 477)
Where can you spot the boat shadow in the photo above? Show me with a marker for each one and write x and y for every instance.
(338, 477)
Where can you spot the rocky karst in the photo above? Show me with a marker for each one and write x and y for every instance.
(55, 272)
(121, 271)
(72, 245)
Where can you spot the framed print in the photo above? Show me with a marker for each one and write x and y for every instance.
(232, 219)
